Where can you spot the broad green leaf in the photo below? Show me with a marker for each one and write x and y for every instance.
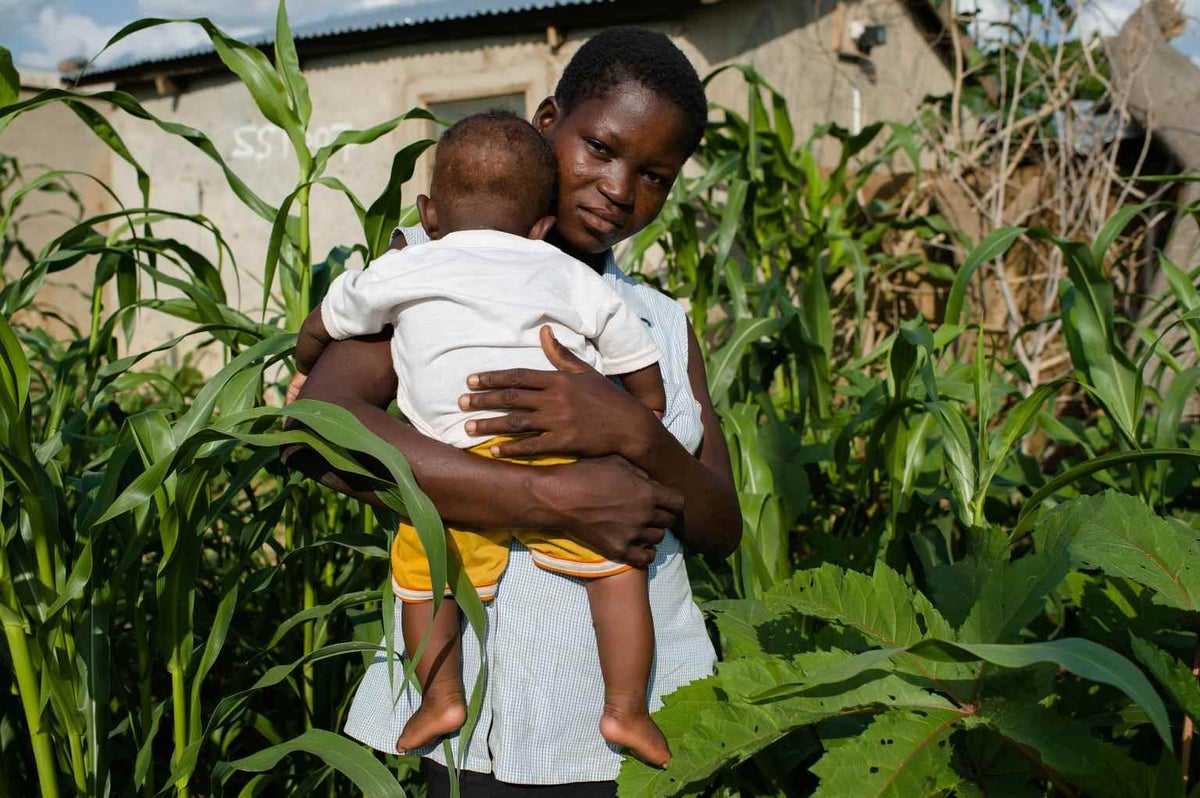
(1067, 747)
(709, 726)
(1121, 536)
(1012, 595)
(1173, 674)
(349, 758)
(881, 607)
(904, 753)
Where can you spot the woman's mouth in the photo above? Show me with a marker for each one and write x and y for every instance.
(603, 224)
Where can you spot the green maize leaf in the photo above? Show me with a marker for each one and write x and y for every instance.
(1112, 229)
(1015, 425)
(384, 212)
(205, 402)
(365, 136)
(1079, 656)
(994, 245)
(212, 649)
(1069, 748)
(1028, 513)
(126, 102)
(1092, 340)
(904, 753)
(15, 373)
(340, 753)
(252, 69)
(104, 130)
(709, 727)
(10, 81)
(1121, 536)
(1011, 595)
(287, 66)
(76, 584)
(960, 456)
(321, 611)
(1170, 411)
(1174, 675)
(230, 704)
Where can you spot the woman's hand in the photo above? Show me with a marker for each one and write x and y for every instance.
(572, 411)
(609, 505)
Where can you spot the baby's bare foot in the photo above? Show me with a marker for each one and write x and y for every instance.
(636, 732)
(435, 718)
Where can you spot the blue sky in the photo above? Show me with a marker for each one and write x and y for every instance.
(43, 32)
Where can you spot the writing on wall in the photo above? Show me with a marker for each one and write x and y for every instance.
(265, 142)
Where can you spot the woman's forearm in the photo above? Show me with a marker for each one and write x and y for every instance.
(711, 521)
(712, 518)
(604, 503)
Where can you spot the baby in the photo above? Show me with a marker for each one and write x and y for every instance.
(475, 299)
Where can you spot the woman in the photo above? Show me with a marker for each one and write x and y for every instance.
(627, 113)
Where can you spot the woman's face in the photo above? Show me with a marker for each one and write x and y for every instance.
(618, 156)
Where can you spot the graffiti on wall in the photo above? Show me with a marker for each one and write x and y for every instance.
(264, 142)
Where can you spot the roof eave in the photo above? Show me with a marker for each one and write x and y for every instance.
(563, 17)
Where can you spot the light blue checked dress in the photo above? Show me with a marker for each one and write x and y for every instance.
(544, 692)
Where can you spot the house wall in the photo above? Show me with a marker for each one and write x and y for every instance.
(789, 42)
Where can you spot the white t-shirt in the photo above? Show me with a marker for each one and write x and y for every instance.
(475, 301)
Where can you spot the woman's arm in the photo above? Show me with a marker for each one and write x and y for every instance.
(576, 410)
(605, 503)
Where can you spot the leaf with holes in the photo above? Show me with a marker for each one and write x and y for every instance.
(904, 753)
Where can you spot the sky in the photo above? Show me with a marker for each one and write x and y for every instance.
(41, 33)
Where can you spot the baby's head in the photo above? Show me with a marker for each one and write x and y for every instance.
(492, 171)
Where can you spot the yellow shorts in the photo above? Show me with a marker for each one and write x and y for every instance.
(484, 552)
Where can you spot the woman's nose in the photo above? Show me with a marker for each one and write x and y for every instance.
(617, 188)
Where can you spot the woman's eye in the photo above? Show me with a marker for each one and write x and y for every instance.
(597, 147)
(656, 179)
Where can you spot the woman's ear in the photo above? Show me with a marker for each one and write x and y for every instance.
(428, 213)
(546, 115)
(541, 227)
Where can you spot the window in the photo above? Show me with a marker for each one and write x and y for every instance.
(453, 110)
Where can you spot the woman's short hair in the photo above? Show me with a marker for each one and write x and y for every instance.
(628, 54)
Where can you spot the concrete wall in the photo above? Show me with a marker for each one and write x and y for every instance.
(790, 42)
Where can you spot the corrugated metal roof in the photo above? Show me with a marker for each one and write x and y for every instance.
(409, 13)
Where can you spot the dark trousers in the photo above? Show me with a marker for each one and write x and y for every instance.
(485, 785)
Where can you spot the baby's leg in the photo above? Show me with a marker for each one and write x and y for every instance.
(443, 704)
(625, 639)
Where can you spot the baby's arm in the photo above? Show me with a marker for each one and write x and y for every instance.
(646, 385)
(311, 342)
(354, 305)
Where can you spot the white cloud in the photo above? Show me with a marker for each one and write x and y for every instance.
(57, 35)
(52, 31)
